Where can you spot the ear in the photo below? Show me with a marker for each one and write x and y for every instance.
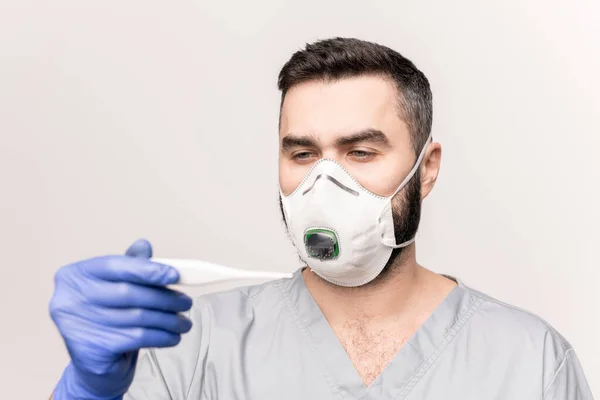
(430, 168)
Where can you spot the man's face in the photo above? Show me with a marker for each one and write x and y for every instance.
(355, 122)
(325, 120)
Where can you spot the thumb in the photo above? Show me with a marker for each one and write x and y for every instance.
(141, 248)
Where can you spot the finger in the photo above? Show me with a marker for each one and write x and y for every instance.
(140, 248)
(130, 269)
(138, 338)
(139, 317)
(129, 295)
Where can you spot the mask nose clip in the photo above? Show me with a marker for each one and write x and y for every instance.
(334, 181)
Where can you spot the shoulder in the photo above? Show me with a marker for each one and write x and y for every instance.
(504, 317)
(218, 321)
(239, 306)
(517, 331)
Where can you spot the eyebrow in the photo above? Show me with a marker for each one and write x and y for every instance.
(292, 141)
(366, 135)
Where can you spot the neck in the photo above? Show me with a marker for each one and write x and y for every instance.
(390, 296)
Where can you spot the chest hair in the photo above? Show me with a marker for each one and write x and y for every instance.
(371, 348)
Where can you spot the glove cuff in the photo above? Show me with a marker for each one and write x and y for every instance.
(71, 386)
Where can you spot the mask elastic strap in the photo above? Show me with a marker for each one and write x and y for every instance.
(391, 242)
(414, 168)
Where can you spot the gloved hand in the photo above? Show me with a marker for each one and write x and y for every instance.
(106, 309)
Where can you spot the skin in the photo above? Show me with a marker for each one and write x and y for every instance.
(355, 121)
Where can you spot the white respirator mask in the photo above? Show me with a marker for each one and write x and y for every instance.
(342, 231)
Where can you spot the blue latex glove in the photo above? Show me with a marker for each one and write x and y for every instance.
(106, 309)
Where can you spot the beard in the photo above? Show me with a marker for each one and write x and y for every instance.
(406, 213)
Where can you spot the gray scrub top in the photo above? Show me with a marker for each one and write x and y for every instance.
(271, 342)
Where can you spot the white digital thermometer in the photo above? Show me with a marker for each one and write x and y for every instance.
(201, 273)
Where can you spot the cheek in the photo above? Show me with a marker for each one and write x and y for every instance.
(381, 178)
(290, 176)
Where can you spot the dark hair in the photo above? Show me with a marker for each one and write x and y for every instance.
(338, 58)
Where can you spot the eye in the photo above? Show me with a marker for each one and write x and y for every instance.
(303, 156)
(361, 155)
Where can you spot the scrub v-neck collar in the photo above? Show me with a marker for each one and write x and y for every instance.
(405, 369)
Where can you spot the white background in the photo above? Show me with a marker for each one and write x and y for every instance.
(158, 119)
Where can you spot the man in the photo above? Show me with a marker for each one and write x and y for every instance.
(362, 320)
